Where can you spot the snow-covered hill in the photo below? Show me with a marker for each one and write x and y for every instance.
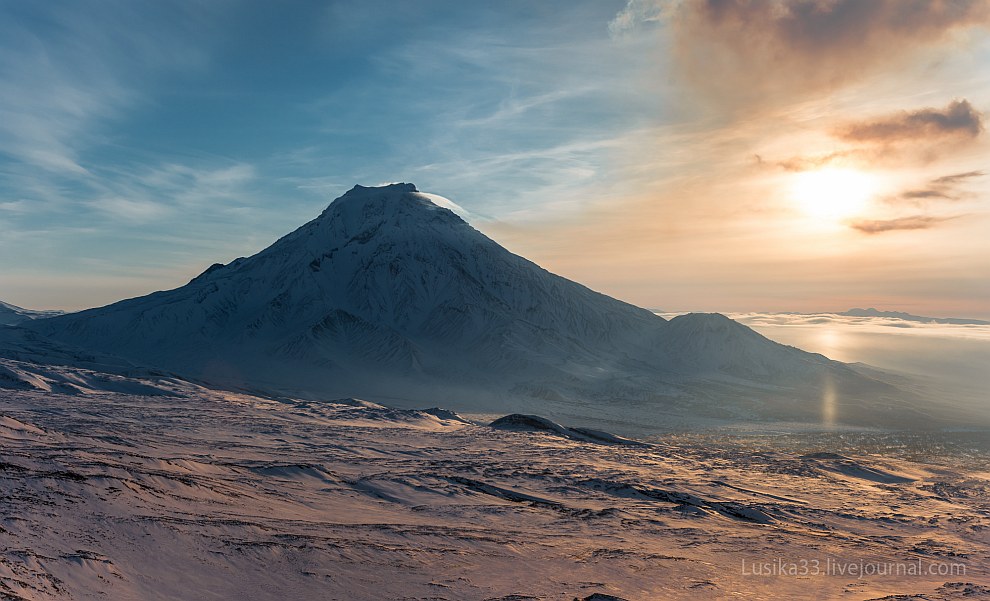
(388, 296)
(12, 314)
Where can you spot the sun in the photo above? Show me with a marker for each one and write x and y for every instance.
(833, 194)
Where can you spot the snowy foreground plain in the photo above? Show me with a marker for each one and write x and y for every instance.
(155, 488)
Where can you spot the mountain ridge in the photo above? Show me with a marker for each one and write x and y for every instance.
(872, 312)
(12, 314)
(386, 295)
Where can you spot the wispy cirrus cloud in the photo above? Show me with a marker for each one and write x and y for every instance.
(808, 163)
(925, 194)
(75, 186)
(944, 188)
(634, 14)
(913, 222)
(146, 193)
(129, 208)
(521, 112)
(75, 69)
(931, 198)
(957, 178)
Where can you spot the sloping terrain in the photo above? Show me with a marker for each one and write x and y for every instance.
(196, 494)
(12, 314)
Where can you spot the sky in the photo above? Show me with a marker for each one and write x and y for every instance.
(748, 155)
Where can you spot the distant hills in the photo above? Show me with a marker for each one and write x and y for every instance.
(12, 314)
(871, 312)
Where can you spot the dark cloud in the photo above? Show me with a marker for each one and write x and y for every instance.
(757, 52)
(914, 222)
(940, 188)
(924, 194)
(906, 137)
(959, 119)
(955, 178)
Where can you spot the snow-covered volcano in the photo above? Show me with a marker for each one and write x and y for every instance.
(386, 295)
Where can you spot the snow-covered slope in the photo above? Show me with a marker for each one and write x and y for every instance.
(388, 296)
(154, 489)
(12, 314)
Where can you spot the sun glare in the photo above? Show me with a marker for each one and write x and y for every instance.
(832, 194)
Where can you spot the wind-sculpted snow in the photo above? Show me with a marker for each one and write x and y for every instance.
(390, 297)
(534, 423)
(18, 375)
(200, 494)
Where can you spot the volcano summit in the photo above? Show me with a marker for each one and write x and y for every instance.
(388, 296)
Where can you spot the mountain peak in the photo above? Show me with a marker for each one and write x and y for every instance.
(379, 213)
(391, 202)
(375, 194)
(396, 187)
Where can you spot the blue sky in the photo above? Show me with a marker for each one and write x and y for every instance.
(141, 142)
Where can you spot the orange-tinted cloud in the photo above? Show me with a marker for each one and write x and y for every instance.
(926, 193)
(955, 178)
(757, 52)
(914, 222)
(940, 188)
(808, 163)
(905, 137)
(958, 120)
